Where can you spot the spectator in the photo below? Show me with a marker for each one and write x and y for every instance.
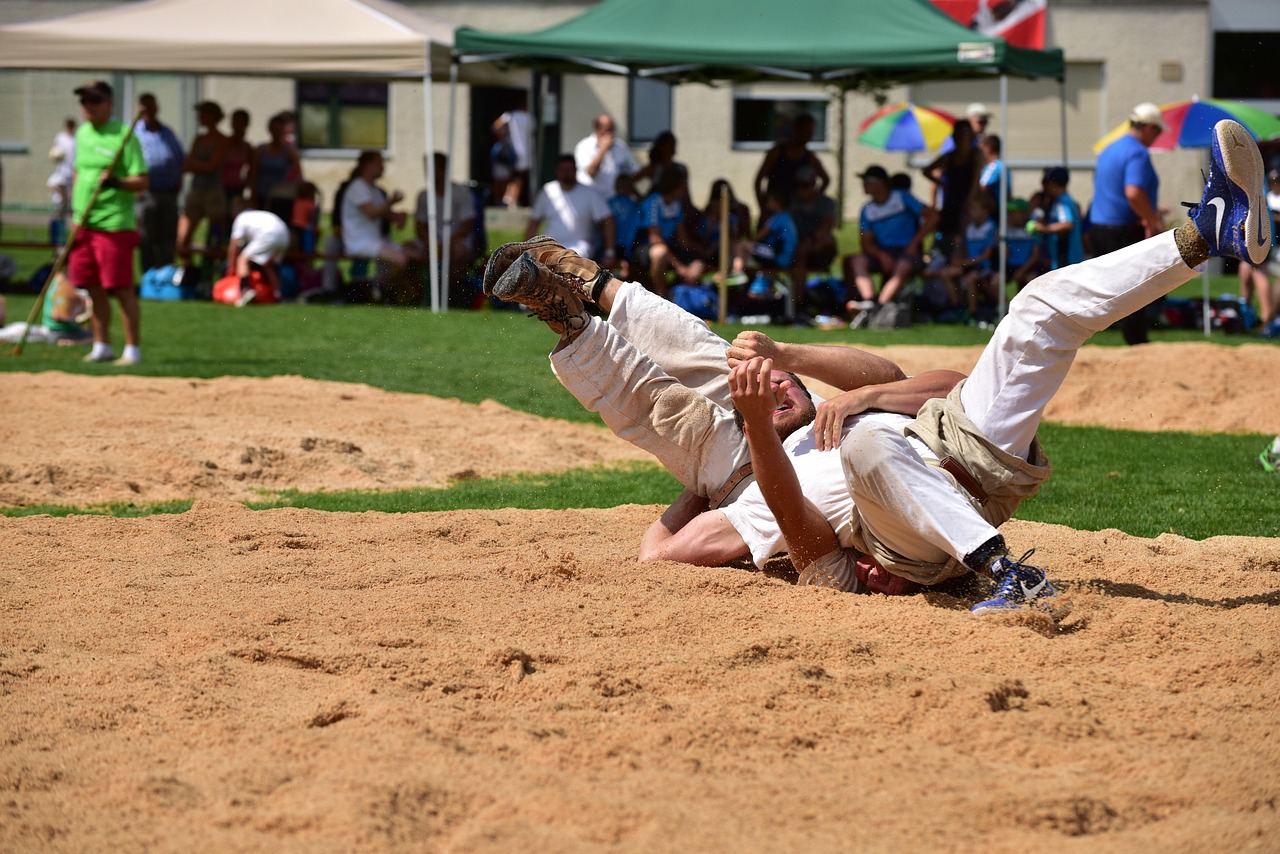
(63, 155)
(1125, 194)
(740, 234)
(237, 163)
(968, 277)
(156, 208)
(205, 197)
(624, 204)
(777, 237)
(571, 214)
(954, 175)
(258, 242)
(778, 169)
(1062, 221)
(892, 226)
(1024, 260)
(663, 243)
(304, 220)
(993, 168)
(101, 260)
(502, 161)
(978, 117)
(662, 158)
(518, 126)
(601, 157)
(1254, 279)
(276, 169)
(814, 213)
(368, 212)
(463, 251)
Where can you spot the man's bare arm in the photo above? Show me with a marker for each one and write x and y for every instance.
(689, 533)
(807, 532)
(904, 397)
(843, 367)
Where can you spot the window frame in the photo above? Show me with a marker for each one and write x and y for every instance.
(823, 121)
(332, 146)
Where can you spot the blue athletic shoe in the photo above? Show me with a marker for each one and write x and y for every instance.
(1018, 585)
(1232, 216)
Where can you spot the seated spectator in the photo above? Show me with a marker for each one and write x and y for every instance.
(305, 221)
(662, 158)
(205, 198)
(573, 214)
(777, 170)
(892, 226)
(463, 251)
(776, 239)
(739, 229)
(1024, 261)
(624, 204)
(258, 242)
(367, 210)
(814, 214)
(1062, 221)
(663, 244)
(969, 275)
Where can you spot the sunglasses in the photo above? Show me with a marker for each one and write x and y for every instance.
(91, 100)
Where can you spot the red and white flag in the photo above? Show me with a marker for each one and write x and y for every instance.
(1019, 22)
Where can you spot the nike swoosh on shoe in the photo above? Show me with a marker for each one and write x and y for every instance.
(1219, 205)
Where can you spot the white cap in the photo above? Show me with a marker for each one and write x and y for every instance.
(1148, 113)
(977, 108)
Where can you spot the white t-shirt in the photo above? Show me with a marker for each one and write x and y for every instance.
(618, 161)
(463, 208)
(822, 481)
(265, 236)
(361, 234)
(570, 216)
(518, 126)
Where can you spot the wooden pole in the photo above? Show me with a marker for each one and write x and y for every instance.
(71, 239)
(724, 254)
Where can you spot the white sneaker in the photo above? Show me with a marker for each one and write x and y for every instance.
(246, 297)
(126, 361)
(101, 357)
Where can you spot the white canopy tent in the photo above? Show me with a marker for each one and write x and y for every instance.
(275, 38)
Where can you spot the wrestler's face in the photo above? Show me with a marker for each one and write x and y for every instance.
(796, 409)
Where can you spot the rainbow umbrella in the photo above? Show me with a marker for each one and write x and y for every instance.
(1188, 124)
(906, 127)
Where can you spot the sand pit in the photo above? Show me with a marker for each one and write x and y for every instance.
(516, 680)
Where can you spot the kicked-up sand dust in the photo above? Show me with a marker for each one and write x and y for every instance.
(293, 680)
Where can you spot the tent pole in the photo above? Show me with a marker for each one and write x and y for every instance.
(842, 154)
(446, 239)
(429, 165)
(1003, 190)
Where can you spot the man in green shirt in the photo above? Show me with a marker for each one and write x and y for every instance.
(101, 259)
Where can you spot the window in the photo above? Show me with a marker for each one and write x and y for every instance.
(1244, 66)
(759, 121)
(649, 109)
(350, 114)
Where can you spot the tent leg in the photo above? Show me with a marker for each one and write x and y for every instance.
(446, 242)
(429, 165)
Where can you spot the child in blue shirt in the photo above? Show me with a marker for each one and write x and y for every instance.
(625, 206)
(1062, 221)
(971, 270)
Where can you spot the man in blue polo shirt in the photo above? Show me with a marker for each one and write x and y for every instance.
(156, 209)
(892, 226)
(1125, 198)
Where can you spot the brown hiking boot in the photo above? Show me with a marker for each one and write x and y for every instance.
(552, 297)
(582, 275)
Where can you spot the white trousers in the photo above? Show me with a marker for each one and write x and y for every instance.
(912, 507)
(658, 377)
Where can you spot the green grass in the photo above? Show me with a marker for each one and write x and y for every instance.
(1143, 483)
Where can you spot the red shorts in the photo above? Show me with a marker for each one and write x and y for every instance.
(103, 258)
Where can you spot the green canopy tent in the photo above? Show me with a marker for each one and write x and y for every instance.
(864, 45)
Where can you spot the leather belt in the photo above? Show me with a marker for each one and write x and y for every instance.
(730, 485)
(953, 467)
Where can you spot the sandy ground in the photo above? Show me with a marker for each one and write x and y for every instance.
(515, 680)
